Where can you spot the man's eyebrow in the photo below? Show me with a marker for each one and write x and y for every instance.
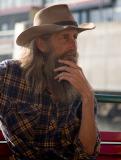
(45, 36)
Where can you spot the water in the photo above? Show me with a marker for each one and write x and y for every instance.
(109, 117)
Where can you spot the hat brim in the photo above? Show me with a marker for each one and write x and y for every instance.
(31, 33)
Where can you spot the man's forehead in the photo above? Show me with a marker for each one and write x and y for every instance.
(56, 34)
(69, 31)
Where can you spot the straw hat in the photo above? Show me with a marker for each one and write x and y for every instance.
(49, 20)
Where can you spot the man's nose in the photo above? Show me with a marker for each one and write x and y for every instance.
(72, 44)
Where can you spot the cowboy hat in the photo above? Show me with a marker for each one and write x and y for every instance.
(49, 20)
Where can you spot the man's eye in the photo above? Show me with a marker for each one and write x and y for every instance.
(75, 36)
(65, 37)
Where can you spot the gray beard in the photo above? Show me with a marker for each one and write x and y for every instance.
(63, 91)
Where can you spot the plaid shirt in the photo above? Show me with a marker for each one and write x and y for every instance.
(34, 126)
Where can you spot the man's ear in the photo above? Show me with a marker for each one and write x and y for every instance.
(41, 44)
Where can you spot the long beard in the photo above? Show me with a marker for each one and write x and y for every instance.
(62, 91)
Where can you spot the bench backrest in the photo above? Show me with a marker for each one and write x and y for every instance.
(4, 149)
(110, 146)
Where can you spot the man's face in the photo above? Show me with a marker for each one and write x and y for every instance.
(63, 42)
(61, 45)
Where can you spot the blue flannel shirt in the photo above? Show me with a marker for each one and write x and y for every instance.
(34, 126)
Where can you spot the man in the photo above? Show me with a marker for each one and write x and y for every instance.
(46, 103)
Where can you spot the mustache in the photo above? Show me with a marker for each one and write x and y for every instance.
(70, 55)
(63, 90)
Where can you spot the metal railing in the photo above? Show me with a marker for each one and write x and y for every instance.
(108, 98)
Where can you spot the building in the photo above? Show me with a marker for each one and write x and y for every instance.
(11, 13)
(93, 10)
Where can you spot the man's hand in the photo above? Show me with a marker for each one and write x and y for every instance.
(74, 74)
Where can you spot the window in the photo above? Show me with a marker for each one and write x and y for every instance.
(4, 27)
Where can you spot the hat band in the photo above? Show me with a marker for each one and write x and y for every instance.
(64, 23)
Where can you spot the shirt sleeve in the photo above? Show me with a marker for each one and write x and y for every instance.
(2, 74)
(2, 77)
(80, 153)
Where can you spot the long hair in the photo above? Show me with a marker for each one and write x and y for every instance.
(32, 63)
(41, 76)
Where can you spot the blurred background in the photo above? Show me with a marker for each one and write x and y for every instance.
(99, 49)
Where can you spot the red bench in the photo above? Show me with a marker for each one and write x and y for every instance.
(4, 149)
(110, 146)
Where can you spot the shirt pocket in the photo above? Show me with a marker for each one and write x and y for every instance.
(20, 118)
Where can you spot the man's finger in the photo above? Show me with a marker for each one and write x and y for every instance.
(69, 63)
